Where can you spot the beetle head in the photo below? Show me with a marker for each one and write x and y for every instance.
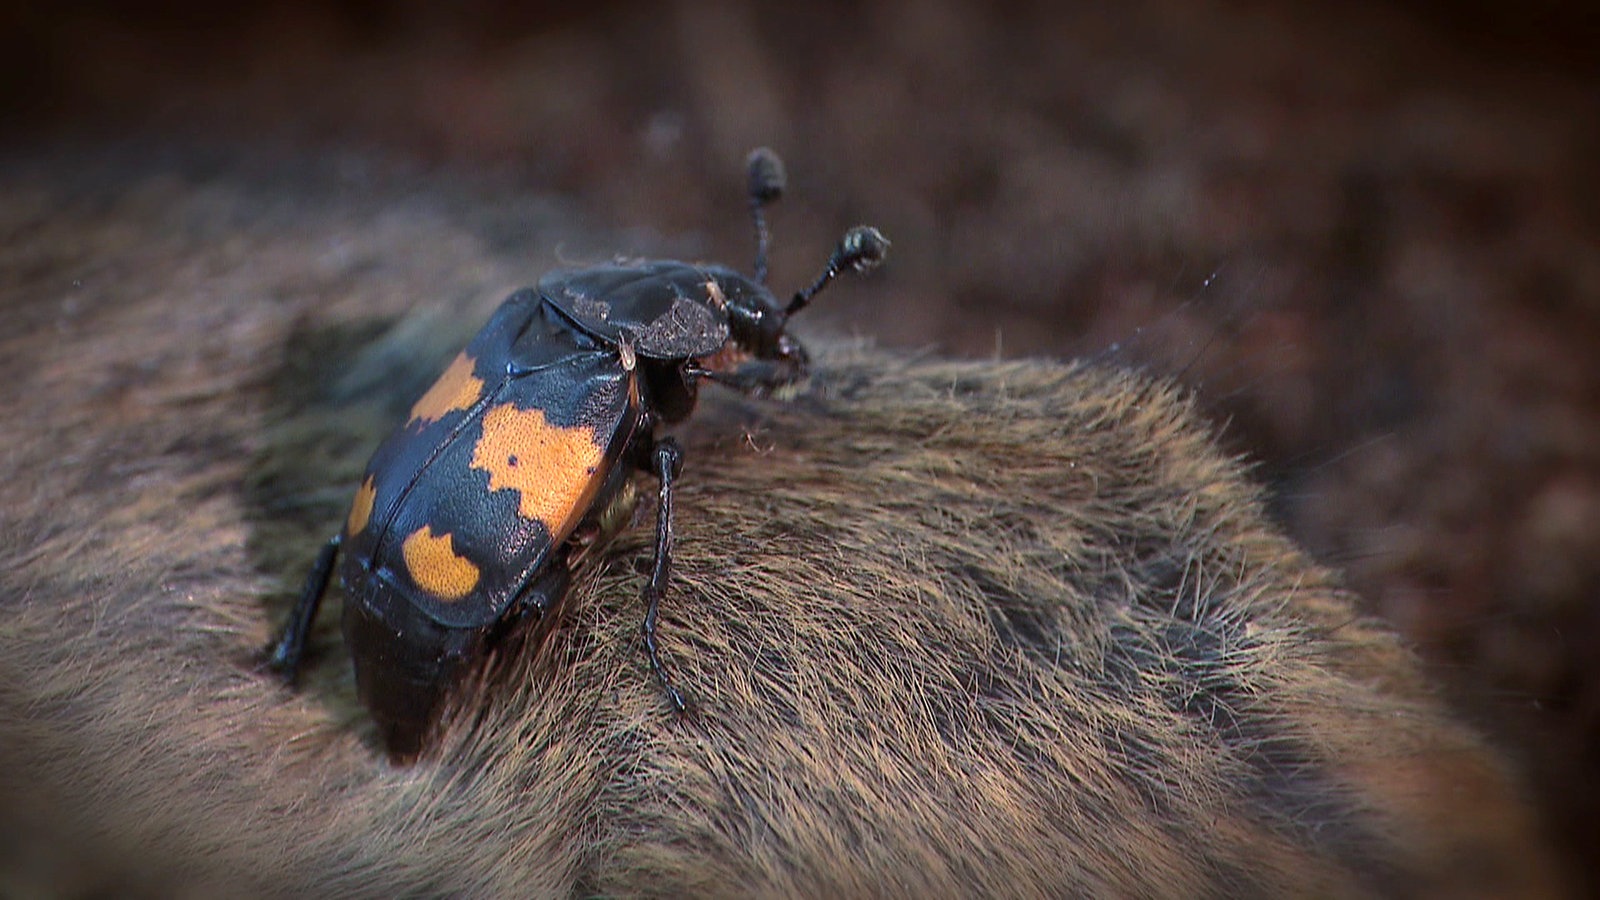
(756, 321)
(759, 355)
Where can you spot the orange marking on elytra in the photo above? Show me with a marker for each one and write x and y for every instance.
(435, 565)
(361, 508)
(551, 468)
(456, 389)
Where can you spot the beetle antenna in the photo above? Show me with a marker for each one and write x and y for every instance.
(766, 183)
(861, 250)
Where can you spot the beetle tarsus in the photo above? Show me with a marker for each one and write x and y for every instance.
(666, 461)
(283, 655)
(653, 607)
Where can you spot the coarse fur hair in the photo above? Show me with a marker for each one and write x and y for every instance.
(948, 628)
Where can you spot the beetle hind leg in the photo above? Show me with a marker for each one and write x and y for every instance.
(666, 461)
(283, 654)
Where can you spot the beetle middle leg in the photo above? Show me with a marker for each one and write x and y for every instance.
(666, 461)
(283, 655)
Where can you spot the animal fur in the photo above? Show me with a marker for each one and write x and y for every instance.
(949, 628)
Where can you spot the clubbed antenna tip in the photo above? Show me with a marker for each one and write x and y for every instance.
(766, 184)
(767, 178)
(861, 250)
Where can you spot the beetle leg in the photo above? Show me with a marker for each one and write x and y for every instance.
(666, 461)
(283, 655)
(757, 378)
(546, 591)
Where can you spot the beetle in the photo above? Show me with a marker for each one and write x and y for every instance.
(472, 513)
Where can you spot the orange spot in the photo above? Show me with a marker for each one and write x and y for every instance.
(435, 565)
(456, 389)
(361, 508)
(551, 469)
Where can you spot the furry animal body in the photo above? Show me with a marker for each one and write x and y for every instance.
(950, 628)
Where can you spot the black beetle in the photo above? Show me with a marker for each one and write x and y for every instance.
(470, 514)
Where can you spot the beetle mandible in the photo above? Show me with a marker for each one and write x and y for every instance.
(469, 514)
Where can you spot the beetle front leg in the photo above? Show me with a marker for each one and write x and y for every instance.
(757, 378)
(666, 461)
(283, 655)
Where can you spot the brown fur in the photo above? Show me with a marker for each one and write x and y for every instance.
(951, 629)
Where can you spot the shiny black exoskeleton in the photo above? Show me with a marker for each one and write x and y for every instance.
(471, 513)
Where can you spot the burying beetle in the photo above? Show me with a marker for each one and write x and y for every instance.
(470, 514)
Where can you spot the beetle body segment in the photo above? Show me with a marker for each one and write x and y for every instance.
(465, 519)
(494, 487)
(663, 308)
(459, 526)
(461, 532)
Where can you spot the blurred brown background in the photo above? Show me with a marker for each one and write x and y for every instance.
(1369, 236)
